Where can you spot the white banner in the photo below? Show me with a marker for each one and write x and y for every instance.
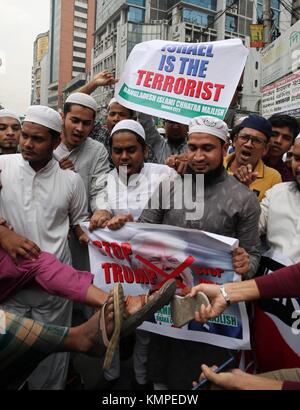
(180, 81)
(143, 256)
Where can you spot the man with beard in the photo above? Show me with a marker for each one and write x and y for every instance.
(10, 131)
(251, 144)
(229, 209)
(285, 130)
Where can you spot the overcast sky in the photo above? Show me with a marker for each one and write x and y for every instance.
(20, 22)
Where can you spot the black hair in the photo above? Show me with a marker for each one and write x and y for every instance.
(54, 134)
(280, 121)
(140, 140)
(234, 132)
(131, 112)
(68, 106)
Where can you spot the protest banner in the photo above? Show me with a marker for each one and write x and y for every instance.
(276, 324)
(144, 256)
(180, 81)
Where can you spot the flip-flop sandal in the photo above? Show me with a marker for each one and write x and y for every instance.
(113, 342)
(183, 308)
(161, 298)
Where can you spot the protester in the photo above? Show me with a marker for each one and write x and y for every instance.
(280, 213)
(24, 342)
(10, 131)
(280, 284)
(115, 113)
(38, 340)
(173, 143)
(41, 201)
(124, 198)
(251, 144)
(285, 129)
(229, 209)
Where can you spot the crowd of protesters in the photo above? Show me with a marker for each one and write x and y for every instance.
(54, 171)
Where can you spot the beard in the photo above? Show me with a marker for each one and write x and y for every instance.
(211, 176)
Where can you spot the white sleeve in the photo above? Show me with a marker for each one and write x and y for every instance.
(264, 206)
(99, 174)
(78, 208)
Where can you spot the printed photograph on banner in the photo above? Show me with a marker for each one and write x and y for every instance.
(179, 81)
(276, 322)
(142, 257)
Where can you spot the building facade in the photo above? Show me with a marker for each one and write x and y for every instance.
(72, 24)
(39, 75)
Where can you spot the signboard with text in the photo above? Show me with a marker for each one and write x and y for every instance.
(281, 57)
(283, 96)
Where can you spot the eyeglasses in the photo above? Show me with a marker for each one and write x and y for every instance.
(256, 141)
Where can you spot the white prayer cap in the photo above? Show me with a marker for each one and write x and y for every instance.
(161, 130)
(10, 114)
(298, 137)
(82, 99)
(129, 125)
(42, 115)
(209, 125)
(112, 101)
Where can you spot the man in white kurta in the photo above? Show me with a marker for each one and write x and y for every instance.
(41, 205)
(127, 193)
(280, 213)
(87, 157)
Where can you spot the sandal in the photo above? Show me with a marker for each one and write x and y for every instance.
(113, 342)
(161, 298)
(183, 308)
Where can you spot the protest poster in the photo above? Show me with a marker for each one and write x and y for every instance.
(143, 256)
(276, 324)
(180, 81)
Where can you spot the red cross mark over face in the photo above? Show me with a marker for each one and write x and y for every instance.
(176, 272)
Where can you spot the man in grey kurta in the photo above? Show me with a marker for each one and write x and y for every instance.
(229, 209)
(163, 147)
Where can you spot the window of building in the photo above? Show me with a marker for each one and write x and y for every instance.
(81, 9)
(79, 59)
(136, 15)
(79, 39)
(231, 23)
(255, 83)
(256, 65)
(196, 17)
(275, 11)
(136, 2)
(208, 4)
